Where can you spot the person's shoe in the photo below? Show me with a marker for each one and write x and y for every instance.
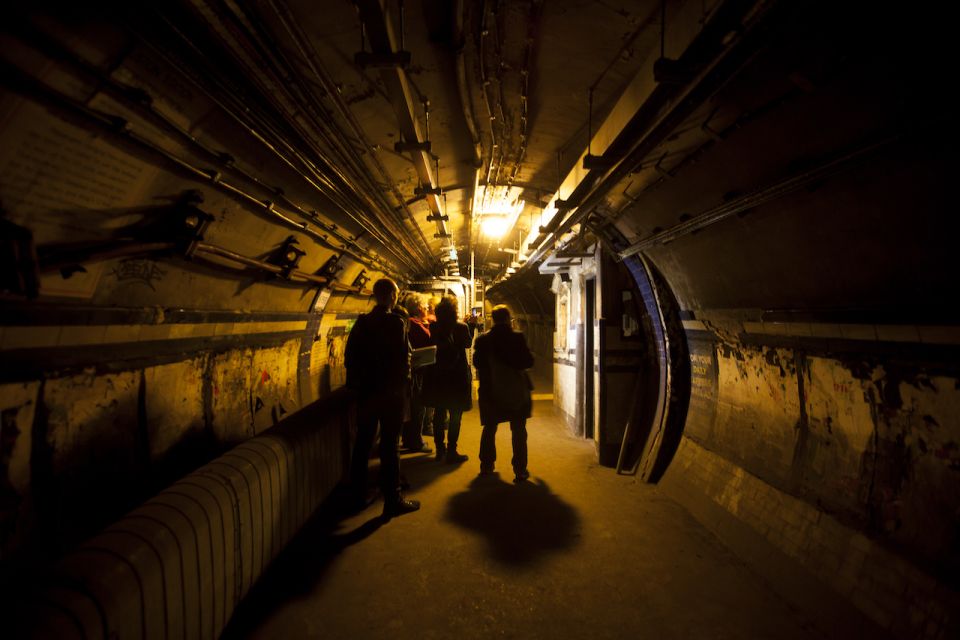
(400, 507)
(441, 452)
(453, 457)
(423, 447)
(521, 476)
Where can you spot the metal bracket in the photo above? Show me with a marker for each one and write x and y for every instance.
(361, 280)
(402, 146)
(330, 267)
(424, 191)
(660, 169)
(597, 162)
(442, 235)
(437, 218)
(669, 71)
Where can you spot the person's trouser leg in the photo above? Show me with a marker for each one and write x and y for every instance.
(488, 447)
(391, 420)
(439, 418)
(453, 429)
(518, 429)
(412, 438)
(367, 415)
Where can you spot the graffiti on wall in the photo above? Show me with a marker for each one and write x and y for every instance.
(144, 272)
(336, 346)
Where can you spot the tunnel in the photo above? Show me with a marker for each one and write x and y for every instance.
(721, 226)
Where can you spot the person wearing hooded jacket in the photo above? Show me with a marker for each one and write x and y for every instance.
(501, 357)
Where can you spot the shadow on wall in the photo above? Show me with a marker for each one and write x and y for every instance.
(521, 523)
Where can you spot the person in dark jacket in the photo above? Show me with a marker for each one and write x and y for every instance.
(448, 382)
(377, 357)
(501, 357)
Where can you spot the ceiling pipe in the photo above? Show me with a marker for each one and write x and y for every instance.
(115, 126)
(384, 44)
(242, 114)
(305, 48)
(666, 107)
(286, 94)
(460, 41)
(466, 104)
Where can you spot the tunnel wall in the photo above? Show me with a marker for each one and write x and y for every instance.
(823, 366)
(844, 465)
(86, 443)
(803, 229)
(179, 564)
(146, 326)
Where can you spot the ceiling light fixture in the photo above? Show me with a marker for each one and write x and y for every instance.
(494, 226)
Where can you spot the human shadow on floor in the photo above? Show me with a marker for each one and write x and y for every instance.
(301, 566)
(521, 522)
(421, 470)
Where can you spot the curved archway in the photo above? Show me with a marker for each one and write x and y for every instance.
(652, 437)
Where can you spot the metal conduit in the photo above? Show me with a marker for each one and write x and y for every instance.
(357, 217)
(713, 74)
(309, 54)
(142, 101)
(334, 138)
(116, 126)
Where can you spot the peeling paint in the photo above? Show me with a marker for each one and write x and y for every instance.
(878, 445)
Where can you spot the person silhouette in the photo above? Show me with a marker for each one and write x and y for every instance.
(377, 357)
(419, 335)
(501, 356)
(448, 383)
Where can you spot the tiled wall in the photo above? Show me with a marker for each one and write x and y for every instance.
(178, 565)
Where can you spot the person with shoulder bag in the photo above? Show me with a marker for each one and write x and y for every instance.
(501, 357)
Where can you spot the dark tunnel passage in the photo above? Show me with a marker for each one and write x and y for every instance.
(724, 228)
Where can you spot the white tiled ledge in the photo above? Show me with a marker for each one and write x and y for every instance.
(923, 334)
(32, 337)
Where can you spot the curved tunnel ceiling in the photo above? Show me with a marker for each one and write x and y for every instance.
(292, 127)
(695, 132)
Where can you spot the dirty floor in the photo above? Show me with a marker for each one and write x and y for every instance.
(577, 552)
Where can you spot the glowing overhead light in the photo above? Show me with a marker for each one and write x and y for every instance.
(497, 207)
(494, 226)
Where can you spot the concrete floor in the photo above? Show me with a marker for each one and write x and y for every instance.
(578, 552)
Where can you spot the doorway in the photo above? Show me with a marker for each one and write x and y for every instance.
(589, 321)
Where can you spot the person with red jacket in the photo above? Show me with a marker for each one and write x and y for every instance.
(419, 336)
